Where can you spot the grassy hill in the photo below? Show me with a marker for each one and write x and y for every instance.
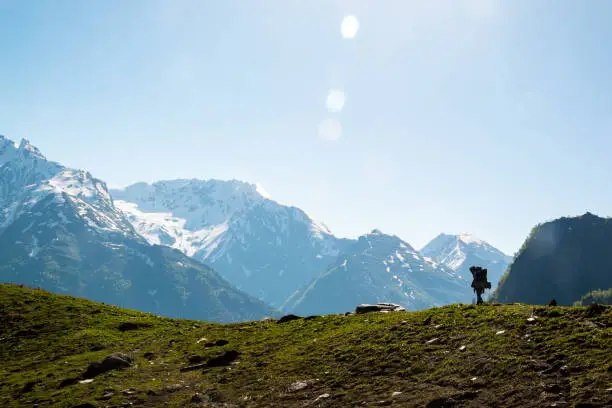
(453, 356)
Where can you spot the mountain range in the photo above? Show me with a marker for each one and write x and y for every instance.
(282, 256)
(211, 249)
(257, 244)
(380, 268)
(60, 230)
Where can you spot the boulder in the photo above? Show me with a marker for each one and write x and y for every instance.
(217, 343)
(594, 309)
(288, 318)
(114, 361)
(126, 326)
(224, 359)
(379, 307)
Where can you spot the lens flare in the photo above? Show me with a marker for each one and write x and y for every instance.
(335, 100)
(349, 27)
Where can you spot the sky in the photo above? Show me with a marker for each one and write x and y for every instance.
(413, 117)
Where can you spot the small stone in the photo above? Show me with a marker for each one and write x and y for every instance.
(129, 391)
(500, 332)
(300, 385)
(173, 388)
(432, 340)
(437, 326)
(193, 367)
(396, 393)
(201, 340)
(531, 320)
(473, 378)
(322, 396)
(87, 381)
(590, 324)
(107, 396)
(462, 348)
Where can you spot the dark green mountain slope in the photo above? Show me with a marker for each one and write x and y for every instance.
(562, 259)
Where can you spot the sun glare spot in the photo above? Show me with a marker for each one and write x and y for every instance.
(349, 27)
(330, 130)
(335, 100)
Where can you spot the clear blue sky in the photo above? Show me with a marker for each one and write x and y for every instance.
(482, 116)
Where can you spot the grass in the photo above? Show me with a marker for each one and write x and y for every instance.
(564, 356)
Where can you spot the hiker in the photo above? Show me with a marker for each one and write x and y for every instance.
(479, 283)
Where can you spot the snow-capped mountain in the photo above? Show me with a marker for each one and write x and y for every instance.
(27, 177)
(380, 268)
(459, 252)
(60, 230)
(264, 248)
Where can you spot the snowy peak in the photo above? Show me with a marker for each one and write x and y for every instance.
(469, 239)
(379, 268)
(459, 252)
(202, 203)
(267, 248)
(262, 192)
(192, 207)
(27, 148)
(452, 250)
(27, 178)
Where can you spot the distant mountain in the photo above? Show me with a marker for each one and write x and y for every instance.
(264, 248)
(380, 268)
(562, 259)
(459, 252)
(60, 230)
